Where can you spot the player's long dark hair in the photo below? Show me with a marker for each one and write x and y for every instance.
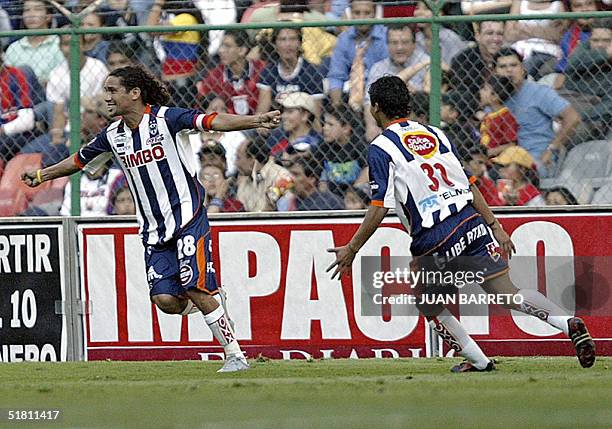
(152, 91)
(392, 96)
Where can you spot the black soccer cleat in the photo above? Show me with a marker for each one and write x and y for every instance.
(583, 342)
(466, 366)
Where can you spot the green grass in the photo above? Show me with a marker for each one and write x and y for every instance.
(525, 392)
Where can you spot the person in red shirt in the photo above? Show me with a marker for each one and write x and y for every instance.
(235, 78)
(16, 113)
(499, 128)
(475, 161)
(519, 183)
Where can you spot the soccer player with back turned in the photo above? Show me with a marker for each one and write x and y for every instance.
(150, 143)
(415, 169)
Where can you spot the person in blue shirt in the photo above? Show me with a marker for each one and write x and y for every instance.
(535, 107)
(306, 172)
(373, 38)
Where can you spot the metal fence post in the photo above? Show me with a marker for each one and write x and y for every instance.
(75, 110)
(435, 63)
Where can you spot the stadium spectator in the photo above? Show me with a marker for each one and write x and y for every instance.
(578, 31)
(235, 78)
(212, 153)
(589, 72)
(227, 141)
(178, 52)
(287, 71)
(476, 7)
(499, 129)
(475, 161)
(405, 60)
(317, 44)
(117, 56)
(218, 187)
(92, 75)
(16, 111)
(41, 53)
(5, 25)
(535, 107)
(216, 12)
(121, 201)
(299, 115)
(306, 178)
(537, 40)
(472, 66)
(519, 183)
(357, 49)
(450, 42)
(419, 107)
(357, 197)
(455, 123)
(94, 44)
(342, 154)
(560, 196)
(262, 185)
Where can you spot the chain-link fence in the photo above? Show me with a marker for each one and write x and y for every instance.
(527, 103)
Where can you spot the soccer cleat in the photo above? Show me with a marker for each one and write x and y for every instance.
(235, 363)
(466, 366)
(583, 342)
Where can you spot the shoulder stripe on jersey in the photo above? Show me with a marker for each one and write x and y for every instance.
(395, 139)
(441, 145)
(377, 203)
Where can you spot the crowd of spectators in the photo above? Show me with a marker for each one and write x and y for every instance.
(516, 96)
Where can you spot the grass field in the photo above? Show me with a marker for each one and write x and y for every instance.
(524, 392)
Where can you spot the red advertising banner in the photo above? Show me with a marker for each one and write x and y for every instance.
(285, 305)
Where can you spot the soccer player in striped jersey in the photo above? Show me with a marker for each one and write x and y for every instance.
(416, 170)
(150, 142)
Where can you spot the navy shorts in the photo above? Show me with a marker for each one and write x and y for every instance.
(183, 263)
(461, 242)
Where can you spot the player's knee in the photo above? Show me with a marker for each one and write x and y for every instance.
(169, 304)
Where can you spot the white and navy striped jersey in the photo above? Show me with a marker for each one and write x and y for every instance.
(158, 165)
(415, 169)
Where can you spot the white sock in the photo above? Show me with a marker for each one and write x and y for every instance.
(537, 305)
(448, 327)
(222, 330)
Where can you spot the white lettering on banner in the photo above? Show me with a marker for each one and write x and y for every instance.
(560, 276)
(288, 353)
(307, 252)
(37, 249)
(208, 356)
(101, 262)
(374, 327)
(380, 353)
(27, 353)
(234, 248)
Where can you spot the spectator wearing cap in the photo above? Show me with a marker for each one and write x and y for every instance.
(357, 50)
(262, 185)
(519, 183)
(499, 129)
(475, 162)
(305, 172)
(235, 78)
(16, 111)
(41, 53)
(455, 122)
(405, 61)
(589, 72)
(218, 188)
(472, 66)
(287, 71)
(299, 115)
(342, 154)
(535, 107)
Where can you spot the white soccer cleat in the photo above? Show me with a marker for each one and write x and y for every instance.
(234, 364)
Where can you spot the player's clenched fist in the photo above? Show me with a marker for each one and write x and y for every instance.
(32, 178)
(270, 119)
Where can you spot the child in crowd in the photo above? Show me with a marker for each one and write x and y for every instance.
(499, 128)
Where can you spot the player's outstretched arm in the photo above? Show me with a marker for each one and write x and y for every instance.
(346, 254)
(63, 168)
(500, 235)
(229, 122)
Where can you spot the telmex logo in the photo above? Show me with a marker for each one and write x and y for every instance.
(421, 143)
(136, 159)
